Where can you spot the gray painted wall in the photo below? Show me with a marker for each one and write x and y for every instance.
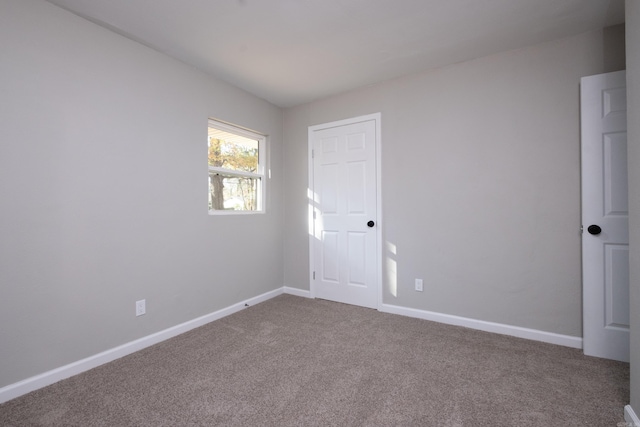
(613, 49)
(103, 177)
(633, 143)
(480, 184)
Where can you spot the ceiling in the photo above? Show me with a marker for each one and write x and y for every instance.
(291, 52)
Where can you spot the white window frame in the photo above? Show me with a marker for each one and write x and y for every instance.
(261, 174)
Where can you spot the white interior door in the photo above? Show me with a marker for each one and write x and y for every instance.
(605, 238)
(344, 241)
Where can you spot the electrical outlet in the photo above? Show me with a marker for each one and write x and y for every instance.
(419, 285)
(141, 307)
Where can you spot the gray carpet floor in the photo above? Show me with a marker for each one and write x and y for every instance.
(293, 361)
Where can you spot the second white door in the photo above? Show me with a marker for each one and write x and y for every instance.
(345, 225)
(605, 240)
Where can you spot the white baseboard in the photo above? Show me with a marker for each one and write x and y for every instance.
(25, 386)
(498, 328)
(630, 417)
(297, 292)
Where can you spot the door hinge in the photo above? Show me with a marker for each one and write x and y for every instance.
(314, 214)
(313, 154)
(314, 275)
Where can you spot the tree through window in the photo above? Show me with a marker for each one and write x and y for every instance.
(236, 168)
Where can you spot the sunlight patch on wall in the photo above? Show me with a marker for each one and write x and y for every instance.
(391, 268)
(313, 209)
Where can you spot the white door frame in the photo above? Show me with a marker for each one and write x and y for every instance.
(376, 117)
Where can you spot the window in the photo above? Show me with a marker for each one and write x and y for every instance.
(236, 169)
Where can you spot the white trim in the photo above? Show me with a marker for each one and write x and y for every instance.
(630, 417)
(297, 292)
(235, 129)
(25, 386)
(47, 378)
(311, 214)
(481, 325)
(377, 118)
(234, 212)
(380, 222)
(234, 173)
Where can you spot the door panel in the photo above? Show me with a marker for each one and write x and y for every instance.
(356, 186)
(330, 253)
(617, 286)
(329, 195)
(344, 184)
(605, 255)
(615, 174)
(357, 261)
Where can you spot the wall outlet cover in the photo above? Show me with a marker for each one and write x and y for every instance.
(141, 307)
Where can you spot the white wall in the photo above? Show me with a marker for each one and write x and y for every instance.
(480, 184)
(632, 13)
(103, 192)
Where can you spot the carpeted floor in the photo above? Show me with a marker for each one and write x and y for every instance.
(293, 361)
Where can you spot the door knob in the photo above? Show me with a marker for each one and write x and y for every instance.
(594, 229)
(371, 223)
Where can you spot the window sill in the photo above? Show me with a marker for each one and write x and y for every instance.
(213, 212)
